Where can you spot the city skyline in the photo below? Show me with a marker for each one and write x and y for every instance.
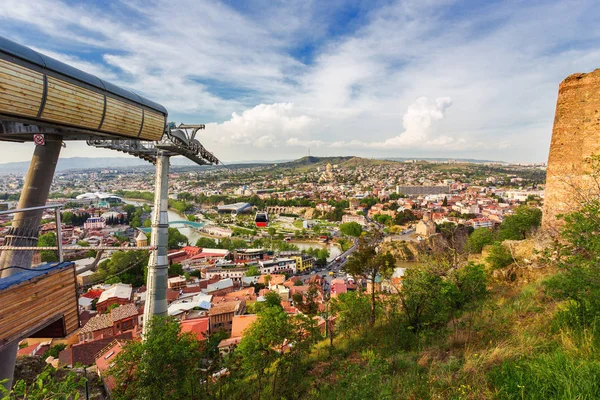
(372, 79)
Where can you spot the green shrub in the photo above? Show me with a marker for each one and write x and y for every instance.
(499, 256)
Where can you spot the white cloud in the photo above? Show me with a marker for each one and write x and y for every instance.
(417, 122)
(262, 126)
(500, 63)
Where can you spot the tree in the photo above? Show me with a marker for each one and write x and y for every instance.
(176, 239)
(263, 341)
(425, 298)
(383, 219)
(307, 303)
(445, 202)
(520, 224)
(471, 282)
(353, 311)
(48, 240)
(577, 257)
(67, 218)
(351, 229)
(46, 386)
(367, 261)
(272, 231)
(499, 257)
(205, 242)
(275, 340)
(164, 366)
(252, 271)
(125, 266)
(54, 350)
(404, 216)
(479, 239)
(175, 269)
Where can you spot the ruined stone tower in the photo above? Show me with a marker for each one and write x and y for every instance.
(575, 137)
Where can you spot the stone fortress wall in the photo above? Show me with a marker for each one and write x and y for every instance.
(575, 138)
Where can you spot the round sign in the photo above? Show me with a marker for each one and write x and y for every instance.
(38, 139)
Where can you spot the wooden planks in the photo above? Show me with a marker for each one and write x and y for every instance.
(32, 303)
(21, 89)
(154, 126)
(73, 104)
(22, 94)
(122, 118)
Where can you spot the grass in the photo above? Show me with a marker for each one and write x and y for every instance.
(509, 348)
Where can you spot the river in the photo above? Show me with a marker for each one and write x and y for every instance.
(193, 235)
(334, 250)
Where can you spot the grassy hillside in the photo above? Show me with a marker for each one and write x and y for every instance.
(511, 347)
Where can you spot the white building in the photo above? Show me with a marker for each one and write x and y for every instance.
(278, 266)
(94, 223)
(355, 218)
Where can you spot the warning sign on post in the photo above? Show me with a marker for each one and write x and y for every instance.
(39, 139)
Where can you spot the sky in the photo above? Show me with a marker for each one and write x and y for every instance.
(277, 80)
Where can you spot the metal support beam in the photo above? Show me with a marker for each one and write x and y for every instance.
(25, 229)
(156, 294)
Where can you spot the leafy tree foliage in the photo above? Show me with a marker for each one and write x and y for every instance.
(129, 266)
(176, 239)
(74, 219)
(54, 350)
(253, 271)
(175, 269)
(577, 258)
(383, 219)
(164, 366)
(499, 256)
(404, 216)
(353, 311)
(430, 299)
(370, 263)
(180, 206)
(47, 386)
(205, 242)
(351, 229)
(307, 303)
(320, 254)
(266, 344)
(520, 224)
(48, 240)
(479, 239)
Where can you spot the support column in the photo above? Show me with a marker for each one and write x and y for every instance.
(156, 294)
(25, 229)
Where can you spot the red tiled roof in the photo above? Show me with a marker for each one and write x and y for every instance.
(28, 351)
(84, 353)
(93, 293)
(197, 326)
(172, 295)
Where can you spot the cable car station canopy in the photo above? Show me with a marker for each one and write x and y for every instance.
(39, 94)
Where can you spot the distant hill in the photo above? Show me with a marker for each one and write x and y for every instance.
(74, 163)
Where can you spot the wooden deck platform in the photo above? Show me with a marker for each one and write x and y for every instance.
(41, 302)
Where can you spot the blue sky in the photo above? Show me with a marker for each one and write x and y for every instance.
(272, 79)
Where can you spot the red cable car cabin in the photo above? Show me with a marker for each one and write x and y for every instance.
(261, 219)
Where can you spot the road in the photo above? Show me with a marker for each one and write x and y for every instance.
(331, 266)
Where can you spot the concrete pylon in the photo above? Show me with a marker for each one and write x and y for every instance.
(25, 229)
(156, 294)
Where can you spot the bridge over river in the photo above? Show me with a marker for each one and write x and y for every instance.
(191, 224)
